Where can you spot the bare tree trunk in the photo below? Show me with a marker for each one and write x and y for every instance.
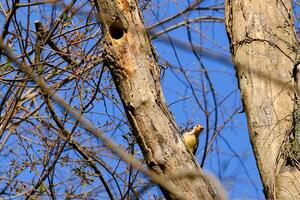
(132, 62)
(263, 45)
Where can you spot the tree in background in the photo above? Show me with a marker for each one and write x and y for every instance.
(265, 47)
(82, 109)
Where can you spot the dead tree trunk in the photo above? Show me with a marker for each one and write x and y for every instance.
(132, 63)
(264, 45)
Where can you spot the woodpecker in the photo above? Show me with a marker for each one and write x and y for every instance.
(191, 138)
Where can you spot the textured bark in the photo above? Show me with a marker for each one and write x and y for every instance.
(132, 62)
(263, 45)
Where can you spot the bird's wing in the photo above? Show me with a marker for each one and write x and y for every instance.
(195, 149)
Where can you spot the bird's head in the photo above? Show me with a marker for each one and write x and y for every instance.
(198, 129)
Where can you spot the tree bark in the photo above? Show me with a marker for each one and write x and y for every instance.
(132, 63)
(263, 44)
